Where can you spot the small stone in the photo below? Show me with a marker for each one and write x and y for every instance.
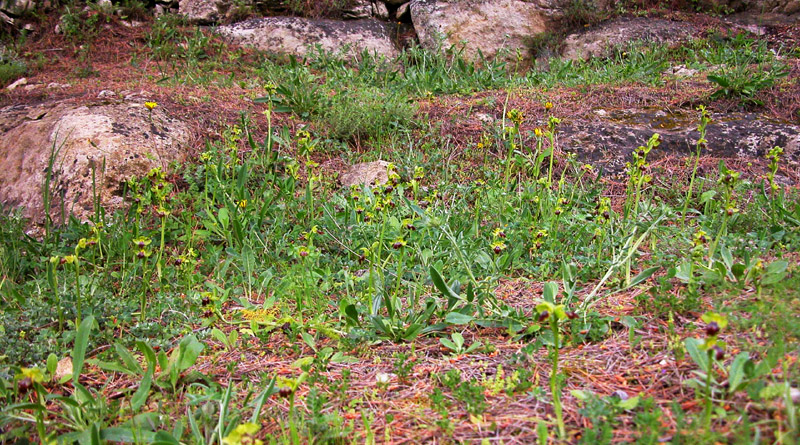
(54, 85)
(485, 118)
(366, 173)
(18, 83)
(63, 369)
(620, 394)
(106, 94)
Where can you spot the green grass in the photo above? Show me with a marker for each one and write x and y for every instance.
(255, 241)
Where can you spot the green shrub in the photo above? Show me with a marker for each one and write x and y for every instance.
(366, 113)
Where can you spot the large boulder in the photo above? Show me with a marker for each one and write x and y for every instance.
(489, 26)
(91, 147)
(295, 35)
(607, 138)
(207, 12)
(597, 42)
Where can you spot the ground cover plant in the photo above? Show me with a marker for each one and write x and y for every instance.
(496, 288)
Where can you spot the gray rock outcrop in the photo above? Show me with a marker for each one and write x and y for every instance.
(598, 41)
(91, 146)
(295, 35)
(608, 138)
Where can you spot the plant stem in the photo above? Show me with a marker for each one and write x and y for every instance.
(554, 378)
(709, 392)
(78, 292)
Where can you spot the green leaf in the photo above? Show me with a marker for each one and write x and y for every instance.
(412, 332)
(52, 363)
(219, 336)
(436, 277)
(458, 339)
(309, 339)
(581, 394)
(448, 344)
(164, 438)
(699, 356)
(303, 361)
(352, 314)
(81, 343)
(629, 403)
(140, 396)
(550, 292)
(644, 275)
(127, 358)
(126, 435)
(736, 374)
(190, 349)
(339, 357)
(458, 318)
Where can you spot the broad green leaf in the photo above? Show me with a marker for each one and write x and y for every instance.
(550, 291)
(628, 404)
(736, 374)
(219, 336)
(127, 358)
(190, 349)
(458, 318)
(52, 363)
(339, 357)
(126, 435)
(309, 339)
(436, 277)
(81, 343)
(140, 396)
(458, 339)
(581, 394)
(448, 344)
(698, 355)
(644, 275)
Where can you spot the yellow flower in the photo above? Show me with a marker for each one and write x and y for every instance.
(150, 105)
(242, 204)
(35, 374)
(538, 132)
(548, 105)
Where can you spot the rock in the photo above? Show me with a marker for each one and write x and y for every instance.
(366, 173)
(106, 94)
(403, 11)
(63, 369)
(488, 26)
(600, 40)
(54, 85)
(608, 139)
(484, 118)
(6, 19)
(17, 83)
(208, 12)
(380, 10)
(124, 137)
(17, 7)
(294, 35)
(203, 12)
(359, 9)
(680, 71)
